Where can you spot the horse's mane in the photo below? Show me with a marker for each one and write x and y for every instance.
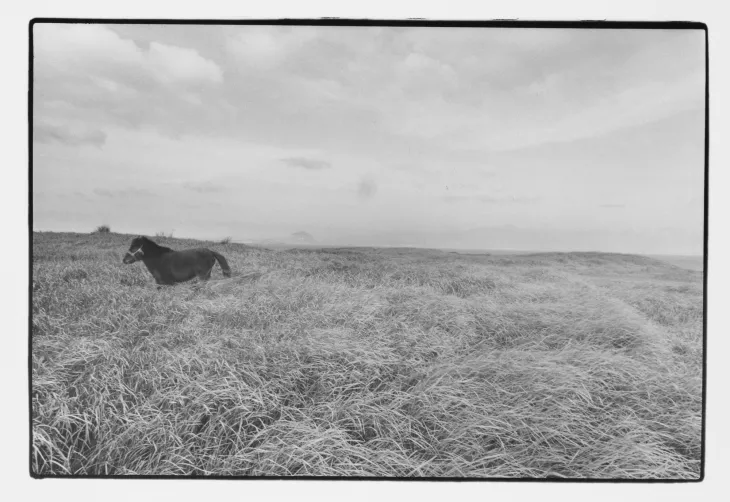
(154, 246)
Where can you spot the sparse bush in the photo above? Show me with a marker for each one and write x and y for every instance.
(225, 240)
(366, 363)
(102, 229)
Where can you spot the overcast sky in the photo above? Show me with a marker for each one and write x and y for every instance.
(446, 137)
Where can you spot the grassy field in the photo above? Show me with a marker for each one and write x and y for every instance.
(365, 362)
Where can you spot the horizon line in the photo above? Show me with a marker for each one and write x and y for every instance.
(253, 243)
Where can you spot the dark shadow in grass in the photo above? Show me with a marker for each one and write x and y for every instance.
(75, 275)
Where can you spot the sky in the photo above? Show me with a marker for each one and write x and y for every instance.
(479, 138)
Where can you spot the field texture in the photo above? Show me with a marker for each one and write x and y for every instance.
(365, 362)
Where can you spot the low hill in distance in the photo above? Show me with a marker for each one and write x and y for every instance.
(689, 262)
(300, 238)
(303, 238)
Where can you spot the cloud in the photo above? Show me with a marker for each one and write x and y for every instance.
(176, 64)
(520, 88)
(81, 196)
(202, 187)
(122, 193)
(633, 106)
(420, 73)
(87, 74)
(512, 125)
(47, 133)
(456, 89)
(310, 164)
(268, 46)
(96, 51)
(366, 188)
(90, 45)
(612, 206)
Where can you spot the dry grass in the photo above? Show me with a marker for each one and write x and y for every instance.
(368, 362)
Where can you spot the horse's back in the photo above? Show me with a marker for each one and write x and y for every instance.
(197, 255)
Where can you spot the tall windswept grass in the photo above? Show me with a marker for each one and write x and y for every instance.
(365, 362)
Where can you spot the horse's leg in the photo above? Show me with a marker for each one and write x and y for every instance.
(162, 282)
(205, 275)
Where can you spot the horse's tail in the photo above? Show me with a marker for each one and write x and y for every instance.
(223, 263)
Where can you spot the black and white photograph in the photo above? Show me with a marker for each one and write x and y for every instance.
(350, 250)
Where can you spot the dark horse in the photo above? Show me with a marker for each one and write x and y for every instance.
(168, 266)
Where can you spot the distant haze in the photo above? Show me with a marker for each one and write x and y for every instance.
(539, 139)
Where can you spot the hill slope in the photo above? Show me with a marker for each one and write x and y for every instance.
(365, 362)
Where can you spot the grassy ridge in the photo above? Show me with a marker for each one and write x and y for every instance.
(367, 362)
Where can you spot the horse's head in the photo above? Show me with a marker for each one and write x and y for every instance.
(136, 251)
